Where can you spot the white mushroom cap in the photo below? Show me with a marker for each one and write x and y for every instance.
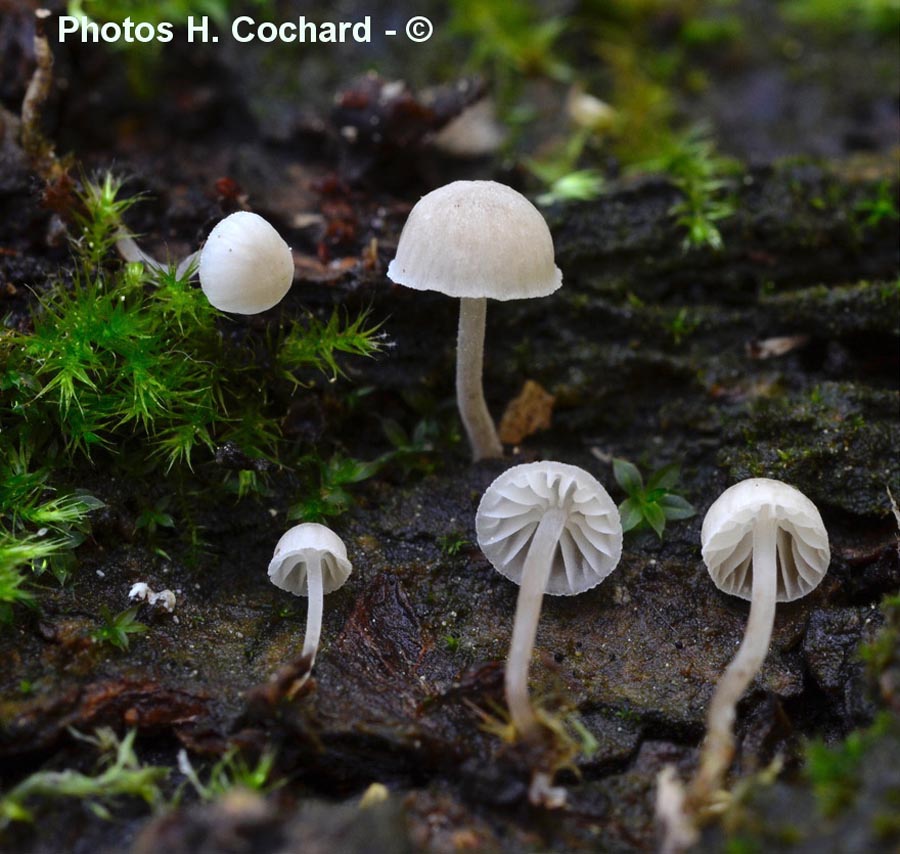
(476, 239)
(801, 541)
(293, 551)
(245, 266)
(590, 544)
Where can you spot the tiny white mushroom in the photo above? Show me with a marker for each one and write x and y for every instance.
(765, 541)
(245, 266)
(474, 240)
(550, 528)
(310, 560)
(140, 591)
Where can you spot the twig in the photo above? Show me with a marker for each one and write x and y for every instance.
(36, 147)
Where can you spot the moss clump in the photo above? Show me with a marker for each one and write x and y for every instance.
(882, 654)
(861, 309)
(136, 367)
(851, 460)
(834, 772)
(121, 774)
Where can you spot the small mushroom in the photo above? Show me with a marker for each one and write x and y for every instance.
(550, 528)
(474, 240)
(245, 266)
(764, 541)
(310, 560)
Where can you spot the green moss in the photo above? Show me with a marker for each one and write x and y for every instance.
(884, 649)
(39, 530)
(509, 38)
(136, 368)
(840, 310)
(853, 426)
(834, 772)
(878, 16)
(695, 168)
(452, 544)
(706, 32)
(742, 845)
(122, 775)
(125, 354)
(232, 772)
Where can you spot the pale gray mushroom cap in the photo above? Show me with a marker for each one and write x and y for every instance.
(512, 507)
(288, 566)
(245, 265)
(801, 541)
(476, 239)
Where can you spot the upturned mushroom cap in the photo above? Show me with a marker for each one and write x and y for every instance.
(288, 566)
(245, 266)
(801, 541)
(510, 510)
(476, 239)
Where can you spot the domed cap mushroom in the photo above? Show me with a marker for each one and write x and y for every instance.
(801, 539)
(765, 541)
(549, 527)
(310, 560)
(474, 240)
(245, 266)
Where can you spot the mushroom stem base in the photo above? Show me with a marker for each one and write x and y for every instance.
(469, 387)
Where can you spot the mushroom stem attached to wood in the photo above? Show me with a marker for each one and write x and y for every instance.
(310, 560)
(718, 749)
(552, 529)
(469, 385)
(473, 240)
(764, 541)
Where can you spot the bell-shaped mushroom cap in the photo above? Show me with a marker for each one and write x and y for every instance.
(289, 564)
(476, 239)
(801, 541)
(245, 266)
(590, 544)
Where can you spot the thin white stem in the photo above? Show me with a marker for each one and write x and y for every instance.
(718, 749)
(314, 610)
(192, 260)
(528, 609)
(469, 388)
(133, 253)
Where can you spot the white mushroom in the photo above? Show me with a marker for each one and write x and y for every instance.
(550, 528)
(310, 560)
(764, 541)
(473, 240)
(245, 266)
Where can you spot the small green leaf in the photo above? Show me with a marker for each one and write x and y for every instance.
(628, 477)
(655, 518)
(630, 511)
(676, 507)
(665, 478)
(394, 433)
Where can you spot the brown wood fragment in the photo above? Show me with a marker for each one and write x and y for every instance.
(526, 414)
